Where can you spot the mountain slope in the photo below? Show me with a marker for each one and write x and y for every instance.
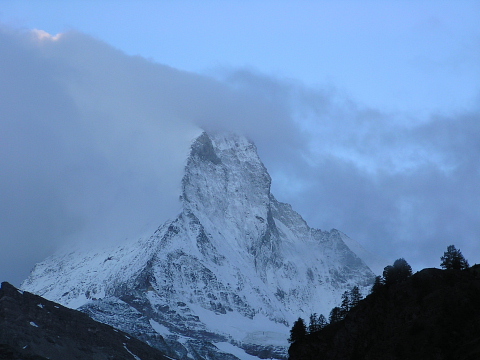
(432, 315)
(32, 327)
(234, 269)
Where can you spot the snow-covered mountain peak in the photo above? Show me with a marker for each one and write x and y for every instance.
(232, 271)
(221, 169)
(227, 187)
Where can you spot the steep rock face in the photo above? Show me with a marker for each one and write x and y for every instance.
(228, 275)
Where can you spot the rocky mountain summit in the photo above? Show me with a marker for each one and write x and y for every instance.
(225, 279)
(33, 328)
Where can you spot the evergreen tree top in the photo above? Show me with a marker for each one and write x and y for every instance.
(453, 259)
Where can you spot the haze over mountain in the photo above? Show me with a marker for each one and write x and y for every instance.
(93, 143)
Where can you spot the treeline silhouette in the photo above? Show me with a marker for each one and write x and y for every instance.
(433, 314)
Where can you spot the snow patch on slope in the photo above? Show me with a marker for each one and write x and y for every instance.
(234, 350)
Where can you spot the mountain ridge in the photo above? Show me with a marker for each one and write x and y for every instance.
(234, 264)
(32, 327)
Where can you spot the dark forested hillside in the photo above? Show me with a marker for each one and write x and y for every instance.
(434, 314)
(32, 328)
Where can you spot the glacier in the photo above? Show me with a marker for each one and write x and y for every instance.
(225, 279)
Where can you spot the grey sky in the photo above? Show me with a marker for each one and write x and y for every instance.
(93, 143)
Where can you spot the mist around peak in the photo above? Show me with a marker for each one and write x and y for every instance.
(94, 144)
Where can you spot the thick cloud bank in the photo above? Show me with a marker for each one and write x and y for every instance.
(93, 144)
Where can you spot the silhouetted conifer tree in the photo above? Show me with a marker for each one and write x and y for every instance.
(345, 306)
(335, 315)
(298, 331)
(313, 326)
(453, 259)
(317, 323)
(377, 284)
(399, 272)
(321, 321)
(355, 297)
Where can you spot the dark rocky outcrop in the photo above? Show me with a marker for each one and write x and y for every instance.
(435, 314)
(33, 328)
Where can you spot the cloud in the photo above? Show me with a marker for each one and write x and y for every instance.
(90, 150)
(93, 143)
(402, 186)
(43, 35)
(403, 189)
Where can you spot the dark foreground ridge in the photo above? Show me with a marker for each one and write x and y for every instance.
(433, 315)
(33, 328)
